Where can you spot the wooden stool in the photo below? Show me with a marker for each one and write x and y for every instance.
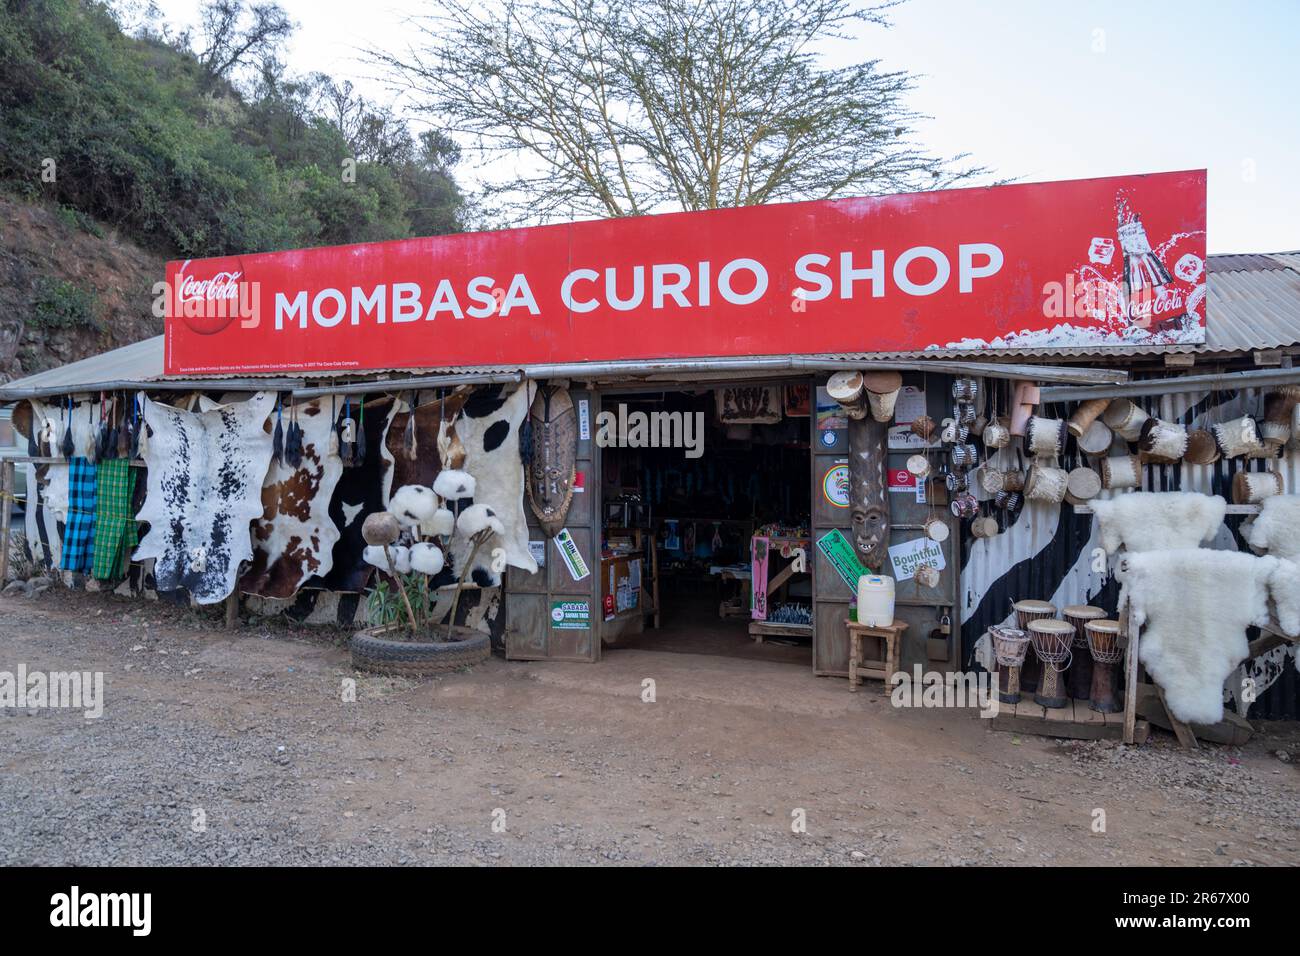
(882, 668)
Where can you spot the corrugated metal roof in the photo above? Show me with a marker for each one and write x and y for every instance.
(140, 362)
(1253, 302)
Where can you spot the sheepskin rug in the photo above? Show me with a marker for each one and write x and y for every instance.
(1194, 606)
(1158, 521)
(1277, 528)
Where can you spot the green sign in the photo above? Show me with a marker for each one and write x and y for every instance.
(570, 615)
(843, 558)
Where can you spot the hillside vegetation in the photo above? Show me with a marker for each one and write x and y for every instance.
(180, 141)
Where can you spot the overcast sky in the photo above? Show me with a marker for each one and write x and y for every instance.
(1035, 90)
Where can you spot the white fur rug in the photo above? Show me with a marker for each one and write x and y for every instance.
(1158, 521)
(1194, 606)
(1277, 529)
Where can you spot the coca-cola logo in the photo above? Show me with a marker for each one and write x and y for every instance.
(208, 305)
(223, 285)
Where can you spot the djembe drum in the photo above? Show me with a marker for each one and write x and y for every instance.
(1009, 647)
(1026, 613)
(1052, 639)
(1079, 679)
(1106, 649)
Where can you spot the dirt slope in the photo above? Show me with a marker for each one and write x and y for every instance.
(67, 292)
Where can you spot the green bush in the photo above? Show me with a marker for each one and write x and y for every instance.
(59, 304)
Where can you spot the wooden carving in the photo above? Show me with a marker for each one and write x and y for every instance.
(868, 493)
(552, 468)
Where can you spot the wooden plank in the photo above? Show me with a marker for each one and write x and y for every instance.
(1234, 729)
(1180, 729)
(1131, 683)
(7, 499)
(1055, 728)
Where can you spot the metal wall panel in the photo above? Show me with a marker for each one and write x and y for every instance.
(1045, 553)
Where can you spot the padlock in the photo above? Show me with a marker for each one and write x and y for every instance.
(945, 624)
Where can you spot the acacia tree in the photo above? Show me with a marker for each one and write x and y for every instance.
(622, 107)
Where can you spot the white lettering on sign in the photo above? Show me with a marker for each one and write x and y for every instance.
(917, 271)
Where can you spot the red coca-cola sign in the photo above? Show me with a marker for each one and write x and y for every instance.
(1092, 263)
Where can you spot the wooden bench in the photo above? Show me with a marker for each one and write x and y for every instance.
(881, 668)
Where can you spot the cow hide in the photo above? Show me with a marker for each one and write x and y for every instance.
(1259, 674)
(1157, 521)
(1194, 606)
(434, 422)
(1277, 529)
(358, 492)
(486, 423)
(489, 429)
(204, 489)
(294, 538)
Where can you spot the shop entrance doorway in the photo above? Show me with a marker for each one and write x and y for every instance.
(705, 500)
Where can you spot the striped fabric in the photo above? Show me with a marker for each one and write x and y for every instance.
(79, 531)
(116, 532)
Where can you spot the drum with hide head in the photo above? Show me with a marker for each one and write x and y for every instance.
(1097, 439)
(1079, 679)
(1106, 649)
(1051, 640)
(1009, 647)
(1027, 612)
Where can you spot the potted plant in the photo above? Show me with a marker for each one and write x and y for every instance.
(408, 544)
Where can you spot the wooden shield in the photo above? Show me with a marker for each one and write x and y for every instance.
(551, 470)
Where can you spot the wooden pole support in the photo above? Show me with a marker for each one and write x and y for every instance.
(7, 496)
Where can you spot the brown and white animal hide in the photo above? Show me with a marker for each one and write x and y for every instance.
(434, 421)
(204, 490)
(1277, 528)
(488, 424)
(294, 538)
(1194, 606)
(1157, 521)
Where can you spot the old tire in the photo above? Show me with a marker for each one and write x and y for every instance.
(378, 655)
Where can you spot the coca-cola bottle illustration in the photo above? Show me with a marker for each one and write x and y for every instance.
(1144, 273)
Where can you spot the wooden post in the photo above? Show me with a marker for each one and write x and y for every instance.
(232, 610)
(7, 496)
(1130, 675)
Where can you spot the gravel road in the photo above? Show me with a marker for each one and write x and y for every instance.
(219, 747)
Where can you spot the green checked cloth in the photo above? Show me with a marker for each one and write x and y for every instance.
(116, 532)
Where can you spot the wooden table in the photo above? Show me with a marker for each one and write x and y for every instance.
(882, 668)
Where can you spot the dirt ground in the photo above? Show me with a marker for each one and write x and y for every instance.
(236, 748)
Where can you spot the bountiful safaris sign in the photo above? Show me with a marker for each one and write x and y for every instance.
(1093, 263)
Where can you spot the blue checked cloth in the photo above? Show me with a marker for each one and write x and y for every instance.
(79, 530)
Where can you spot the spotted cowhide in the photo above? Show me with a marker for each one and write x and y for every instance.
(204, 489)
(486, 423)
(294, 538)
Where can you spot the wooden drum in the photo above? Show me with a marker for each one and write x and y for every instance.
(1026, 613)
(1009, 647)
(1106, 649)
(1052, 639)
(1079, 679)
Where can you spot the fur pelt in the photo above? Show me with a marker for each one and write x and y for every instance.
(294, 538)
(204, 491)
(1194, 606)
(1157, 521)
(1277, 529)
